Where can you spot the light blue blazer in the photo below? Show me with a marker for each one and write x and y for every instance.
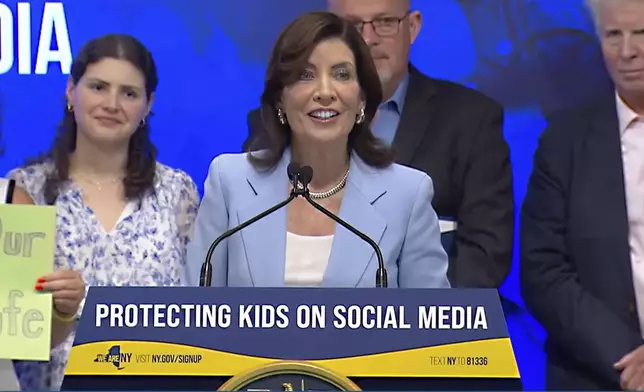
(392, 206)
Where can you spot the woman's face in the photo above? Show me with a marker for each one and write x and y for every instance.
(324, 104)
(109, 101)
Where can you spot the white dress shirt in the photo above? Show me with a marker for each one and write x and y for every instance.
(631, 127)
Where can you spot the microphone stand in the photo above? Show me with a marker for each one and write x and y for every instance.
(205, 278)
(296, 175)
(381, 273)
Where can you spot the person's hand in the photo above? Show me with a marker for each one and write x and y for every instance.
(632, 367)
(67, 288)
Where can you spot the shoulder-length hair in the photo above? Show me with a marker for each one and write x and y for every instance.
(141, 161)
(288, 60)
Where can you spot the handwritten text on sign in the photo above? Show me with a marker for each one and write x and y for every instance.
(281, 316)
(26, 253)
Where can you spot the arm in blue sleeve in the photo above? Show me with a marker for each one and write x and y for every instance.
(423, 262)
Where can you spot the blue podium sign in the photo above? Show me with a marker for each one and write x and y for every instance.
(344, 333)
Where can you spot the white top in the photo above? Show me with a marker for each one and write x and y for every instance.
(146, 248)
(631, 128)
(8, 379)
(306, 259)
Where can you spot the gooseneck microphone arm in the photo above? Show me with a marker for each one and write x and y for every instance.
(205, 278)
(305, 176)
(206, 269)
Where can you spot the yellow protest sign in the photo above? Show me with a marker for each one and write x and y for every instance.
(27, 235)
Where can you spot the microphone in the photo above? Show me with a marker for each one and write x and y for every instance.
(205, 278)
(294, 172)
(305, 177)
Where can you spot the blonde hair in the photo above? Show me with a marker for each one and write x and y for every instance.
(593, 8)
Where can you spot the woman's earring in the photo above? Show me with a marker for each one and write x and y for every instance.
(281, 117)
(360, 117)
(70, 108)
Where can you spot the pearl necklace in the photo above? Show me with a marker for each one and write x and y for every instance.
(330, 192)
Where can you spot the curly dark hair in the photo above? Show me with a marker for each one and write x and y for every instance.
(289, 59)
(141, 162)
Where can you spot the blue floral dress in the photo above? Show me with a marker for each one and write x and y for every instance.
(147, 247)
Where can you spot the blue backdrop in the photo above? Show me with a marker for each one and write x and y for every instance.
(534, 56)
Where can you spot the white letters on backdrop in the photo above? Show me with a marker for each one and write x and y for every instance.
(53, 29)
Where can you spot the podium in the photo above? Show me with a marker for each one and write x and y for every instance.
(291, 339)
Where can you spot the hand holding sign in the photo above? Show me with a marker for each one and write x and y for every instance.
(67, 288)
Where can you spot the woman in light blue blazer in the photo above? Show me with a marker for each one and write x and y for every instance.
(322, 91)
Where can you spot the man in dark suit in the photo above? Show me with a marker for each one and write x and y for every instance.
(582, 224)
(452, 133)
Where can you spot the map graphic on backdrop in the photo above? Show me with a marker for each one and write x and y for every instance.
(534, 56)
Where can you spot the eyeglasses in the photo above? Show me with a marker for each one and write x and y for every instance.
(385, 26)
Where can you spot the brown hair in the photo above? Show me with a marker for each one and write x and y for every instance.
(141, 163)
(288, 59)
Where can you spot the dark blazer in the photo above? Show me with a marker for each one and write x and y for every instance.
(575, 257)
(455, 135)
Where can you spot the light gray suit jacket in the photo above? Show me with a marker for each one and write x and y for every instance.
(392, 206)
